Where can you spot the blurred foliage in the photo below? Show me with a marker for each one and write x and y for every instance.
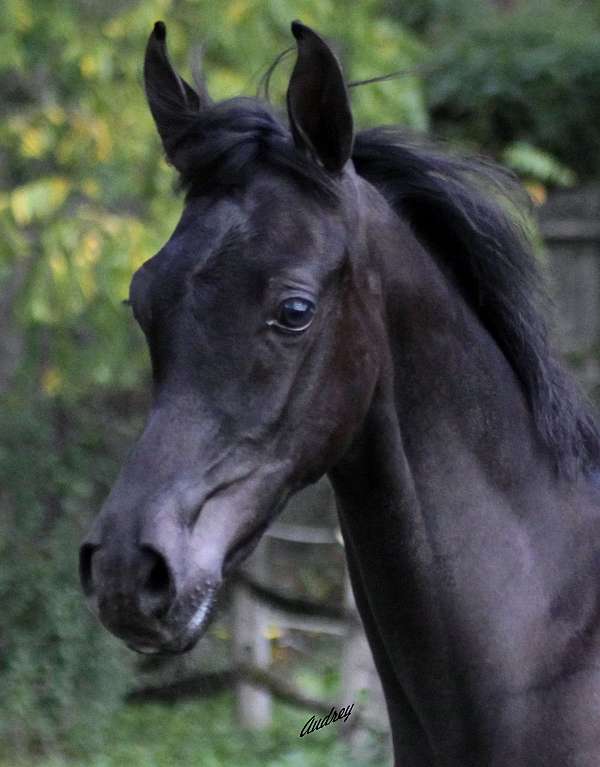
(204, 733)
(516, 81)
(59, 675)
(85, 198)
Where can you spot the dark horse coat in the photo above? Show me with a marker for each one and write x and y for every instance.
(362, 306)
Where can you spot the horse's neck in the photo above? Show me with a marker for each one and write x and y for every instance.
(439, 498)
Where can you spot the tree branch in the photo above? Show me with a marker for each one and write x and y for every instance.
(295, 605)
(204, 685)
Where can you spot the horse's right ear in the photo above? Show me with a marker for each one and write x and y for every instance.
(172, 101)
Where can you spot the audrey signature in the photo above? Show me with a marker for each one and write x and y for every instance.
(333, 716)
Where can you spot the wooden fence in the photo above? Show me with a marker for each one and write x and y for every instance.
(570, 226)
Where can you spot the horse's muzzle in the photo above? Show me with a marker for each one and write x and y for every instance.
(137, 597)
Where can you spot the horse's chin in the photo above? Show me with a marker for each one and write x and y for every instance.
(182, 636)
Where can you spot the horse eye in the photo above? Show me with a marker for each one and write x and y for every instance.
(295, 314)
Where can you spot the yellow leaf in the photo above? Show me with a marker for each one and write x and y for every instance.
(272, 632)
(89, 251)
(55, 114)
(58, 265)
(103, 146)
(88, 66)
(537, 192)
(59, 188)
(101, 134)
(90, 187)
(114, 28)
(51, 381)
(236, 11)
(20, 207)
(23, 16)
(33, 142)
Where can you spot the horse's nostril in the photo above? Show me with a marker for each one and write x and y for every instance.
(158, 579)
(86, 553)
(156, 583)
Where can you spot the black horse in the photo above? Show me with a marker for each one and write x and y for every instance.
(363, 307)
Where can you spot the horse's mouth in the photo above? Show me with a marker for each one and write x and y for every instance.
(243, 548)
(183, 640)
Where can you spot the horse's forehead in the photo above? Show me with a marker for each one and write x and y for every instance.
(304, 228)
(272, 222)
(269, 220)
(293, 224)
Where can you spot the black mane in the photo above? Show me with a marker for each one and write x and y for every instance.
(486, 249)
(482, 245)
(222, 145)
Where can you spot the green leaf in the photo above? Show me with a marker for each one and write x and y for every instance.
(39, 199)
(534, 163)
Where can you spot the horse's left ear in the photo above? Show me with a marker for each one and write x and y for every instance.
(318, 103)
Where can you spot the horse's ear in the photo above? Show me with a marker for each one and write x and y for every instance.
(318, 103)
(172, 101)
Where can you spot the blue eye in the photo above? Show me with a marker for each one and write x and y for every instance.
(295, 314)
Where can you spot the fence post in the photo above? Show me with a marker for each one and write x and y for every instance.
(251, 647)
